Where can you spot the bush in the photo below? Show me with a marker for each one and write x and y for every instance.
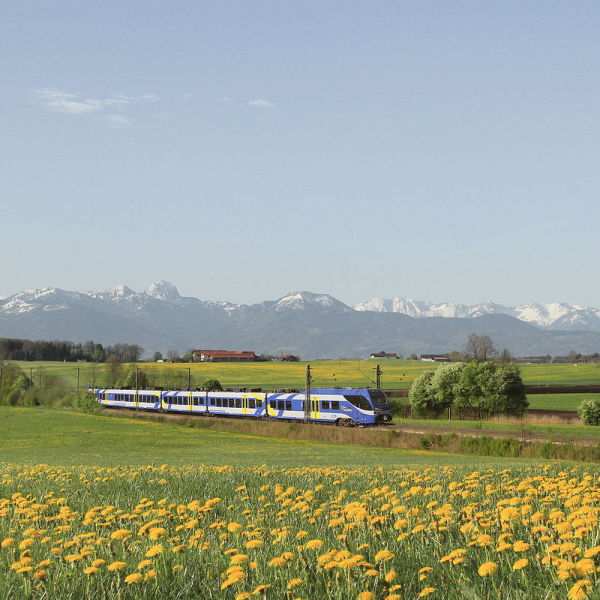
(589, 411)
(212, 385)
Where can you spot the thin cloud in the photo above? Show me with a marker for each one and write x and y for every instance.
(66, 102)
(261, 103)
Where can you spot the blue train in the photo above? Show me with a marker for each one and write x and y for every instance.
(339, 406)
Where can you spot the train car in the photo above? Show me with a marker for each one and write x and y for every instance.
(336, 406)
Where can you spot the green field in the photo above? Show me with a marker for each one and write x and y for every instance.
(59, 437)
(397, 374)
(571, 431)
(558, 401)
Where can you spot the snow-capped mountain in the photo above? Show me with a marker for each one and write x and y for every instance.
(302, 323)
(556, 315)
(308, 301)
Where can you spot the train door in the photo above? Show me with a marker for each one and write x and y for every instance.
(314, 412)
(244, 405)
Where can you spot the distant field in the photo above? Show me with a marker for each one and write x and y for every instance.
(558, 401)
(397, 374)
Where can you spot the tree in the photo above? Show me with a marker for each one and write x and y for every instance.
(504, 357)
(508, 392)
(157, 356)
(589, 411)
(471, 390)
(483, 385)
(115, 367)
(173, 356)
(480, 347)
(422, 396)
(136, 379)
(443, 384)
(456, 356)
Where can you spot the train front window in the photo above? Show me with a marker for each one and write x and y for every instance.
(359, 401)
(379, 398)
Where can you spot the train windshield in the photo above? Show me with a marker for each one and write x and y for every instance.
(359, 401)
(379, 398)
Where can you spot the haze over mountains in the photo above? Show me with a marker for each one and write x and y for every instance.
(311, 325)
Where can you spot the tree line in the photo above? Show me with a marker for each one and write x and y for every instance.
(61, 350)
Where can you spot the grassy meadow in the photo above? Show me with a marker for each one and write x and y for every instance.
(101, 507)
(397, 374)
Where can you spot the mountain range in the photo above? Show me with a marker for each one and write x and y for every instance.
(303, 323)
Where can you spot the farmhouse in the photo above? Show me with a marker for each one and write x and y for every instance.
(223, 356)
(383, 355)
(435, 358)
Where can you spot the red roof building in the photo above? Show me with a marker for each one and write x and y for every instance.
(224, 356)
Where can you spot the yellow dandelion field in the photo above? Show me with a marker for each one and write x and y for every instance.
(298, 533)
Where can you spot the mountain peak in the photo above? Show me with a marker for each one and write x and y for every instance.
(163, 290)
(121, 290)
(304, 300)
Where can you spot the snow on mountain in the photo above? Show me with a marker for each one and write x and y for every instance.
(555, 315)
(308, 300)
(163, 290)
(164, 296)
(42, 299)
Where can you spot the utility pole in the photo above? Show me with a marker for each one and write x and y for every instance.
(77, 378)
(378, 377)
(307, 399)
(189, 378)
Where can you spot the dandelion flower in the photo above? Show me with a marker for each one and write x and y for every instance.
(154, 550)
(521, 546)
(365, 596)
(292, 583)
(116, 566)
(520, 564)
(487, 568)
(383, 555)
(134, 578)
(91, 570)
(425, 592)
(579, 591)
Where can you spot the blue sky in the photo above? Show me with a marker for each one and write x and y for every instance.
(242, 150)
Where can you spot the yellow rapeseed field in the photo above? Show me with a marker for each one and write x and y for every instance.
(298, 533)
